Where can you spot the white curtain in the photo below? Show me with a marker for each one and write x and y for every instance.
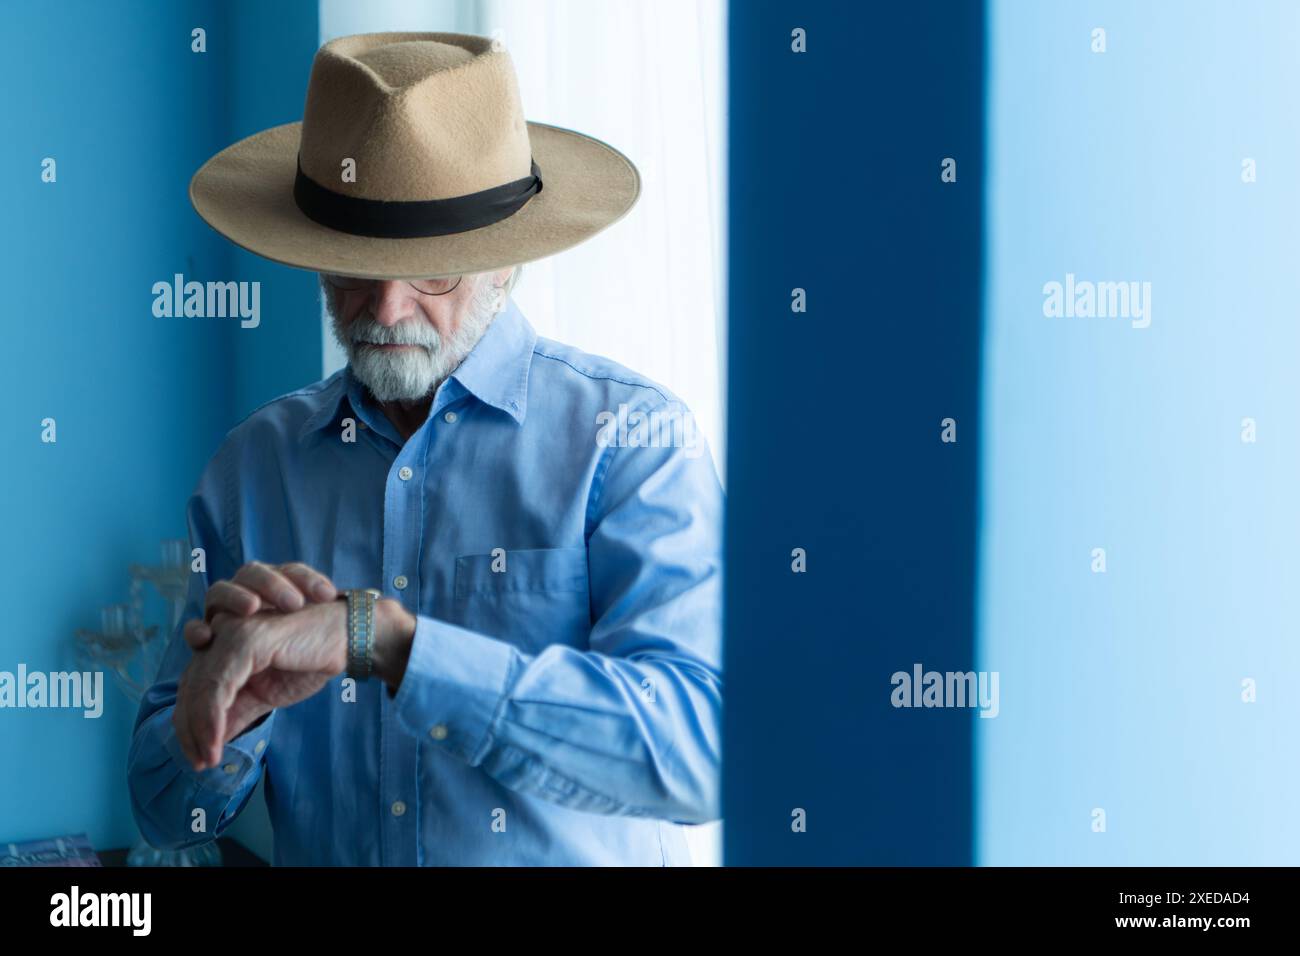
(647, 77)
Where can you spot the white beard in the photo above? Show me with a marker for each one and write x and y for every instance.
(408, 375)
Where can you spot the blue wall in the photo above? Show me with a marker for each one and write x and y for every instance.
(1121, 691)
(834, 428)
(267, 67)
(129, 113)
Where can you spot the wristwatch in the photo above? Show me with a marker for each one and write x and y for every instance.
(361, 631)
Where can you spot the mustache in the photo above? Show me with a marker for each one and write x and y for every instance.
(366, 331)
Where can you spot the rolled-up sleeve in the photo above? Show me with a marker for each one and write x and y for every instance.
(631, 724)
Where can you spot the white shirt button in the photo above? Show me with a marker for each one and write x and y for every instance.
(261, 745)
(399, 582)
(230, 768)
(438, 731)
(449, 418)
(399, 808)
(404, 473)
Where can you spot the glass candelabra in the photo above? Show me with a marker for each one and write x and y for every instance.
(132, 653)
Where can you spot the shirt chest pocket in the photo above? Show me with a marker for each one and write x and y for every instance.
(530, 598)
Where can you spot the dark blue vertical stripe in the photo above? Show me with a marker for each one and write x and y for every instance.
(834, 427)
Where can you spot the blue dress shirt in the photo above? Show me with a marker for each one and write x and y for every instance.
(562, 703)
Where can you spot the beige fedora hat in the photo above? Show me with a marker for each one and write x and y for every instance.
(413, 159)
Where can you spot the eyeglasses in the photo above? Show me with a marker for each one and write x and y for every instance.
(423, 286)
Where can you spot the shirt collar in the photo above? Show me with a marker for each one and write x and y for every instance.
(495, 372)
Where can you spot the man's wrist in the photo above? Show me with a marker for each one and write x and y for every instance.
(394, 634)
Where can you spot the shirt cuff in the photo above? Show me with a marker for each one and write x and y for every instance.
(238, 758)
(455, 683)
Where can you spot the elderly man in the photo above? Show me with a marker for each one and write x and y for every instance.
(449, 619)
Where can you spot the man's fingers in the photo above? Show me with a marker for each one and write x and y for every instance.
(182, 724)
(257, 586)
(204, 715)
(198, 634)
(206, 691)
(232, 598)
(272, 586)
(227, 673)
(216, 743)
(208, 718)
(310, 582)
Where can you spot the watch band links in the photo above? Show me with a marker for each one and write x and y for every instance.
(361, 632)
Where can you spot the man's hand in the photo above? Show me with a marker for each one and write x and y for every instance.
(274, 659)
(256, 664)
(259, 587)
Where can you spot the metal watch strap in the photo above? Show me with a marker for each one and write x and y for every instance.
(361, 631)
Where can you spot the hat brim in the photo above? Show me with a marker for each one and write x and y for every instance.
(245, 192)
